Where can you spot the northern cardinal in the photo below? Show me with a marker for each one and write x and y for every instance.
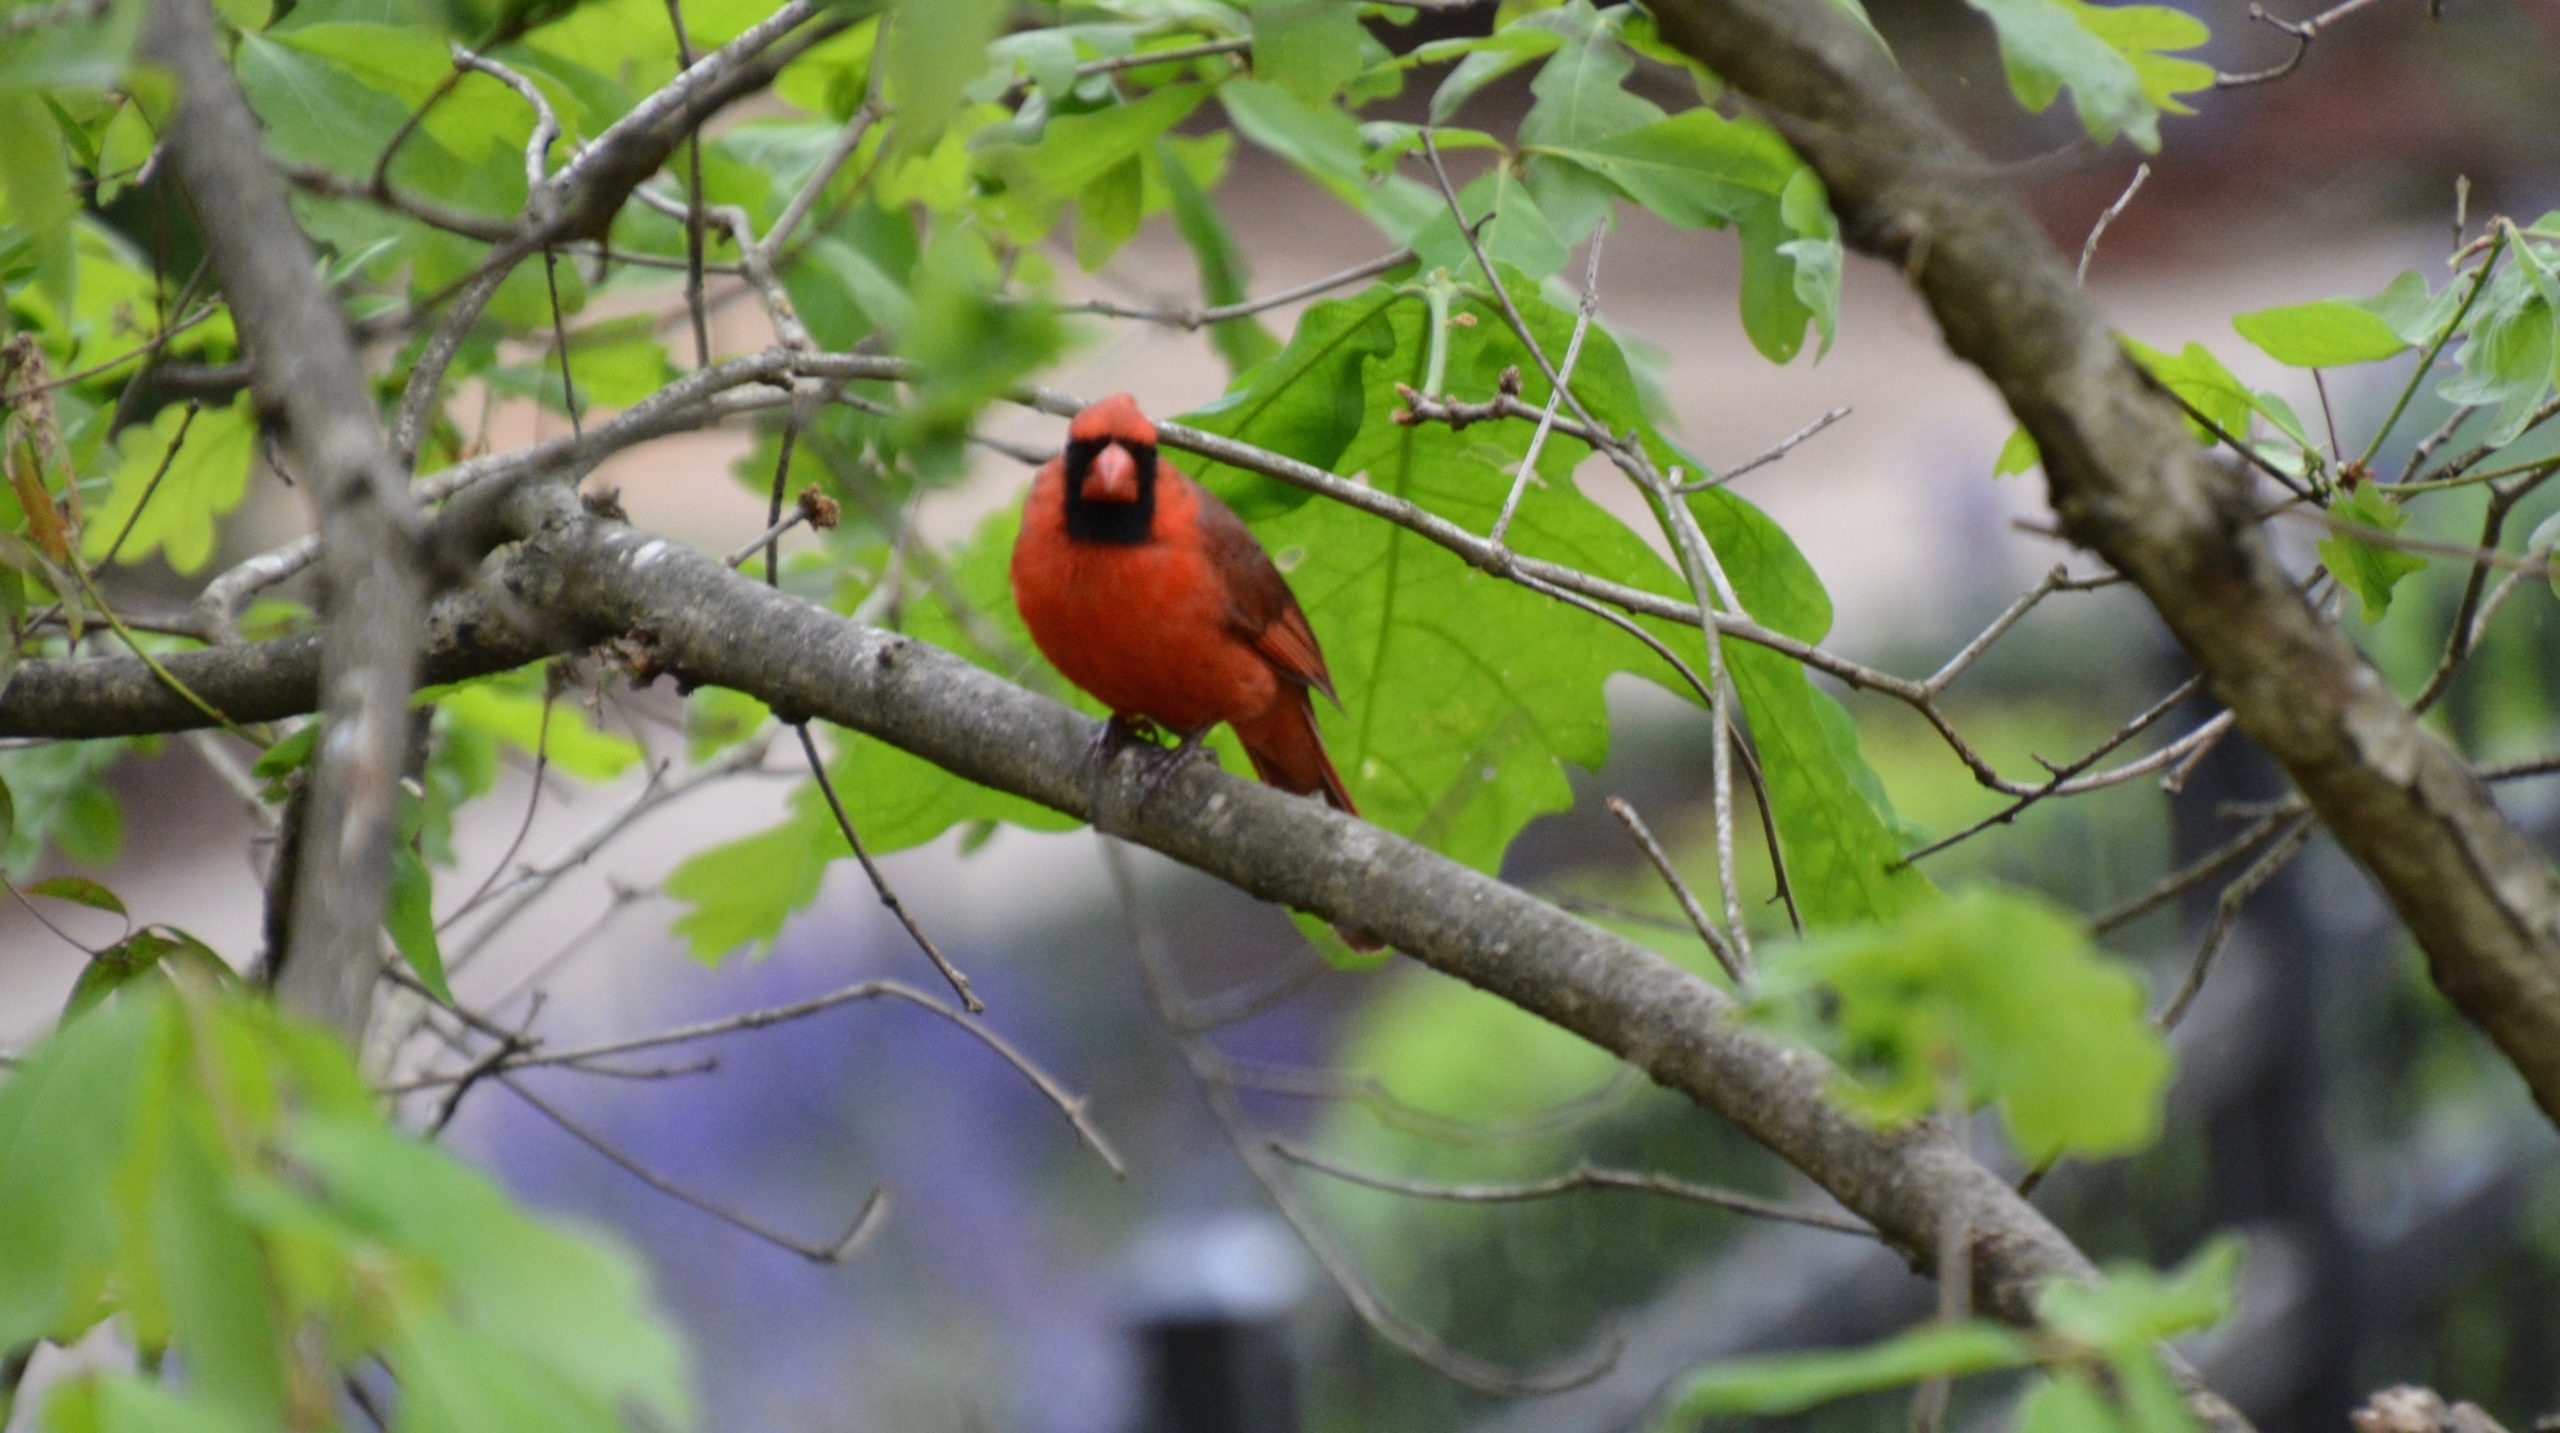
(1150, 594)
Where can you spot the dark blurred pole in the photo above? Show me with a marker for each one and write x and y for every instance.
(2268, 1140)
(1213, 1302)
(1215, 1374)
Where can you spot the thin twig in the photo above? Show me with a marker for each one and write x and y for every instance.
(2197, 872)
(1197, 318)
(1372, 1095)
(1555, 396)
(2303, 33)
(1016, 92)
(2226, 915)
(2097, 231)
(693, 219)
(1736, 967)
(532, 804)
(546, 124)
(1581, 1177)
(1067, 1105)
(1768, 455)
(866, 1220)
(880, 883)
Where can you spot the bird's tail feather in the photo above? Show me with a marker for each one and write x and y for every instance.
(1287, 752)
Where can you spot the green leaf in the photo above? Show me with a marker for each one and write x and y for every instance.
(220, 1181)
(2068, 1403)
(291, 753)
(2367, 569)
(553, 1322)
(2508, 351)
(1075, 150)
(82, 50)
(2327, 333)
(2195, 375)
(936, 47)
(1307, 401)
(850, 280)
(1791, 1383)
(150, 950)
(1579, 96)
(1696, 169)
(1487, 58)
(122, 150)
(410, 917)
(716, 718)
(67, 1110)
(1311, 48)
(2113, 59)
(1834, 828)
(740, 892)
(2412, 312)
(63, 802)
(1699, 169)
(212, 1276)
(614, 364)
(2017, 455)
(134, 1403)
(970, 346)
(203, 482)
(1224, 275)
(1107, 212)
(1324, 144)
(563, 731)
(1514, 230)
(35, 179)
(2002, 988)
(2138, 1307)
(79, 890)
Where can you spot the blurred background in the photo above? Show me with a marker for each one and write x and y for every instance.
(2395, 1186)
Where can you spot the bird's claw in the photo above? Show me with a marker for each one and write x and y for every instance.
(1117, 733)
(1162, 766)
(1156, 766)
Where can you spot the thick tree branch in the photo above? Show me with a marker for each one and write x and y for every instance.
(309, 380)
(465, 635)
(2127, 482)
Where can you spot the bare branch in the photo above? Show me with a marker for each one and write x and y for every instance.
(1197, 318)
(1735, 964)
(1371, 1094)
(2097, 231)
(1580, 1177)
(2303, 33)
(305, 366)
(546, 124)
(1583, 310)
(879, 883)
(2226, 915)
(1768, 455)
(866, 1220)
(1068, 1105)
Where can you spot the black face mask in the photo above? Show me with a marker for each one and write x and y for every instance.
(1117, 524)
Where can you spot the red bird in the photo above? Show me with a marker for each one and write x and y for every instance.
(1149, 593)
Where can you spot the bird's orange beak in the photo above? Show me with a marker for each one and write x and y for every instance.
(1113, 477)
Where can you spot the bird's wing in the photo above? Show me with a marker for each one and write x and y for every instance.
(1262, 609)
